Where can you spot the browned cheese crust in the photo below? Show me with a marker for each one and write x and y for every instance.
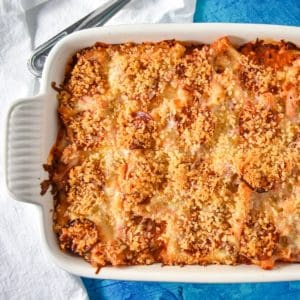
(180, 154)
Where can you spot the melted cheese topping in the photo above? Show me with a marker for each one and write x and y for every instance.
(179, 154)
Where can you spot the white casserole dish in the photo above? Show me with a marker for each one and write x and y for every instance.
(32, 130)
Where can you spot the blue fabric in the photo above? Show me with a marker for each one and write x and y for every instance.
(286, 12)
(126, 290)
(281, 12)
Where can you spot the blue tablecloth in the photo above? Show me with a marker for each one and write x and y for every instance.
(243, 11)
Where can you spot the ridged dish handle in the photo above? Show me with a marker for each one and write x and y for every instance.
(23, 150)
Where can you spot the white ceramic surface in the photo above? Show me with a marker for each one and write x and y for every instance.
(32, 129)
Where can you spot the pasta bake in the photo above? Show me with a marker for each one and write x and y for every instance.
(179, 153)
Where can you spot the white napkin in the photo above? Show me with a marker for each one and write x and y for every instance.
(25, 271)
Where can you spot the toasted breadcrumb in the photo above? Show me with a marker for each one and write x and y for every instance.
(180, 154)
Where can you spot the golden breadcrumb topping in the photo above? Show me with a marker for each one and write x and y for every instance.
(259, 239)
(78, 236)
(179, 153)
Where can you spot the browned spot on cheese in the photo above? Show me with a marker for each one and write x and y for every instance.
(276, 55)
(259, 239)
(78, 236)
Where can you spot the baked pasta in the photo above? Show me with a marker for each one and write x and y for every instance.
(178, 153)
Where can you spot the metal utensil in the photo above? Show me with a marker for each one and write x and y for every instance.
(95, 19)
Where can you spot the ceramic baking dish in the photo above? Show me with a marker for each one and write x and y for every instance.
(32, 130)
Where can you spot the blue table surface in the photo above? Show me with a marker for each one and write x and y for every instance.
(284, 12)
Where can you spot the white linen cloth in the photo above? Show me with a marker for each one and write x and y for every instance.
(25, 271)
